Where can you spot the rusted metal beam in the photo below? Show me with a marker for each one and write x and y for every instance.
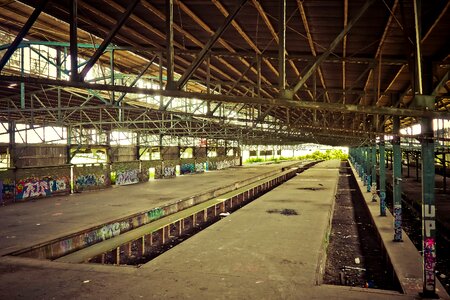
(282, 47)
(23, 32)
(202, 55)
(108, 38)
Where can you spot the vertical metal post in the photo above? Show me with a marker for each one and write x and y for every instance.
(444, 170)
(382, 178)
(373, 187)
(396, 178)
(169, 43)
(417, 167)
(282, 47)
(22, 73)
(113, 79)
(74, 40)
(369, 168)
(428, 209)
(407, 163)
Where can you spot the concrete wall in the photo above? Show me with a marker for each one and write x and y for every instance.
(31, 155)
(91, 177)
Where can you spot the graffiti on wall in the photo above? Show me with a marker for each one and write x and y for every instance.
(35, 187)
(7, 189)
(168, 172)
(199, 168)
(187, 168)
(127, 177)
(89, 180)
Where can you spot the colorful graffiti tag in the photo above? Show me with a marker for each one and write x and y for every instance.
(127, 177)
(34, 187)
(187, 168)
(89, 180)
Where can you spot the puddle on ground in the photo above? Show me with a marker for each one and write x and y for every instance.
(311, 188)
(284, 211)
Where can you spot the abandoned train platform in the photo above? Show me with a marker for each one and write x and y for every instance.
(274, 247)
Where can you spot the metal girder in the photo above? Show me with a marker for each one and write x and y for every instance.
(137, 78)
(23, 32)
(202, 55)
(332, 46)
(108, 38)
(337, 107)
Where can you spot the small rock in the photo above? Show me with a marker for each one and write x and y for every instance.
(357, 260)
(86, 281)
(442, 276)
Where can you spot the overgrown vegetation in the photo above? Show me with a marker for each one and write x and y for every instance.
(317, 155)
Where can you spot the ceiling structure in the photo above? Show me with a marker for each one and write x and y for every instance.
(332, 72)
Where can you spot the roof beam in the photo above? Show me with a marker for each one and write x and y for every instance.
(332, 46)
(23, 32)
(108, 38)
(202, 55)
(74, 39)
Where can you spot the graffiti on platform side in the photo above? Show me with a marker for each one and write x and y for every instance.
(187, 168)
(127, 177)
(155, 213)
(429, 256)
(168, 172)
(89, 180)
(397, 222)
(111, 230)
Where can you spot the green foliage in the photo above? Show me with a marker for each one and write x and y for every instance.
(317, 155)
(329, 154)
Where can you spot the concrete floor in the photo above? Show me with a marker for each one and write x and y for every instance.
(252, 254)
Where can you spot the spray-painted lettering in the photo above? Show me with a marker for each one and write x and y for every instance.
(155, 213)
(127, 177)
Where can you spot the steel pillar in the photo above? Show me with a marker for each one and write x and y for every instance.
(428, 209)
(373, 187)
(396, 184)
(382, 178)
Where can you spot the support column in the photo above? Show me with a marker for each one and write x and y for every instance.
(396, 184)
(382, 178)
(428, 209)
(373, 187)
(444, 170)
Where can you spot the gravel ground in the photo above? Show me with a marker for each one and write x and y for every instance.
(354, 257)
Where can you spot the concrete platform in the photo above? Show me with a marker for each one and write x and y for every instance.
(26, 224)
(255, 253)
